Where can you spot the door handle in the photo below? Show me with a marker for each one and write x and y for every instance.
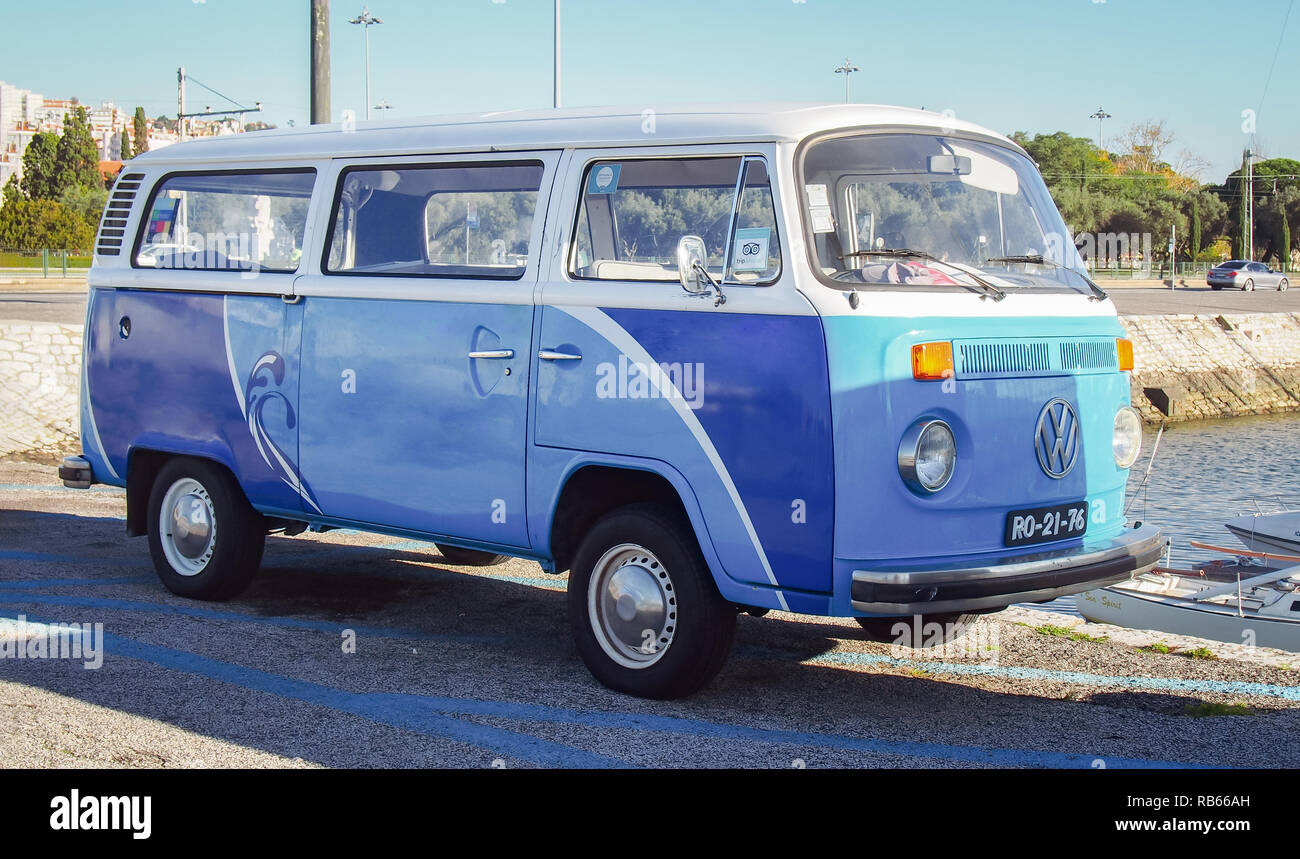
(548, 355)
(494, 353)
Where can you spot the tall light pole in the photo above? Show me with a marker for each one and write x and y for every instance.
(1250, 205)
(847, 69)
(1101, 116)
(365, 19)
(556, 100)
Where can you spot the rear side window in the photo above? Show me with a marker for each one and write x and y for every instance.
(634, 212)
(227, 221)
(439, 220)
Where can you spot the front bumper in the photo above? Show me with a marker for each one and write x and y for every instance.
(1021, 578)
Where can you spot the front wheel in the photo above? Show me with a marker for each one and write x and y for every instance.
(205, 538)
(644, 611)
(1282, 285)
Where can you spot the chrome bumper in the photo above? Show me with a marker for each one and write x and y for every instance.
(1033, 577)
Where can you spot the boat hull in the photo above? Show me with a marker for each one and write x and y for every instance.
(1125, 608)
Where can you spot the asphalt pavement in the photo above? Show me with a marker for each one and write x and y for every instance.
(465, 667)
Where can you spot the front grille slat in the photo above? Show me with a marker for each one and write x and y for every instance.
(1011, 358)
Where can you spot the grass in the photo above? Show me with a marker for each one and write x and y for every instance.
(1066, 632)
(10, 259)
(1158, 647)
(1204, 709)
(1199, 653)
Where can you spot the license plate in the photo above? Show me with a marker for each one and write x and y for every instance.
(1044, 524)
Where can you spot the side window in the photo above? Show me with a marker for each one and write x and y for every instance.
(437, 220)
(240, 221)
(633, 213)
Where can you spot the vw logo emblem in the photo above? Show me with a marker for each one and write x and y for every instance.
(1057, 438)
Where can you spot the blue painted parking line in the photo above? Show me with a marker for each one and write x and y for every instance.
(54, 487)
(411, 713)
(48, 558)
(436, 716)
(27, 584)
(22, 598)
(1017, 672)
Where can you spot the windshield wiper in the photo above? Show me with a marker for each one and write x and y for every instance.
(1098, 293)
(984, 288)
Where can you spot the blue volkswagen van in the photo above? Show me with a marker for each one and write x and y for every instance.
(833, 360)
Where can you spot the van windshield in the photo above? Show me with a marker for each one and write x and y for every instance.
(905, 210)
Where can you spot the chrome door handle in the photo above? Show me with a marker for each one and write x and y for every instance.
(494, 353)
(548, 355)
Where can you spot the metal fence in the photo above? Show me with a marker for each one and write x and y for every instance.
(49, 263)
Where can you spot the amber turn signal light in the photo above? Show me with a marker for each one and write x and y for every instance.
(932, 361)
(1125, 350)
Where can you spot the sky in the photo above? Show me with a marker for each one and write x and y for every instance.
(1010, 65)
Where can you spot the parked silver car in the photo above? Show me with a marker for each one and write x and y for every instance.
(1246, 275)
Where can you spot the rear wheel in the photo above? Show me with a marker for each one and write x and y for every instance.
(644, 611)
(206, 540)
(951, 623)
(1215, 287)
(470, 557)
(1248, 286)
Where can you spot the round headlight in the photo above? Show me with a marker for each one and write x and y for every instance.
(1128, 437)
(927, 455)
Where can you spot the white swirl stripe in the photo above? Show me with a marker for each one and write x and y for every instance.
(620, 339)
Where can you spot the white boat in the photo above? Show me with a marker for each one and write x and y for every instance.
(1262, 610)
(1268, 532)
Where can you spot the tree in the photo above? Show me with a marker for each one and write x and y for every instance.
(125, 145)
(1144, 146)
(86, 202)
(140, 131)
(31, 225)
(40, 167)
(76, 159)
(12, 191)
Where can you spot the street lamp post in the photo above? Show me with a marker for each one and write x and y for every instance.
(847, 69)
(557, 100)
(1101, 116)
(366, 19)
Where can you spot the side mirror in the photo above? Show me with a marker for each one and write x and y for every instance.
(692, 257)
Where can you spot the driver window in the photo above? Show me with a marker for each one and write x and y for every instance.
(634, 212)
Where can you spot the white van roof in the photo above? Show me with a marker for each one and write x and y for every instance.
(555, 129)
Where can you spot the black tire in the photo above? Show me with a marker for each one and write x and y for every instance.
(697, 626)
(470, 557)
(1282, 285)
(1248, 286)
(882, 628)
(1215, 287)
(235, 541)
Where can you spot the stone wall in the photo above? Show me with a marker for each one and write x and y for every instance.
(40, 365)
(1191, 367)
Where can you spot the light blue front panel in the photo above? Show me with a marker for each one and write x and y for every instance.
(401, 428)
(994, 417)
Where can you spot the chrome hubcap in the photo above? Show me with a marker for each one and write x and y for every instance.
(188, 527)
(632, 606)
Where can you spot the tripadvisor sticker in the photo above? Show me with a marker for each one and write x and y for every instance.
(751, 249)
(604, 179)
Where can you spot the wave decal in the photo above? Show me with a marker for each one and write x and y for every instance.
(262, 388)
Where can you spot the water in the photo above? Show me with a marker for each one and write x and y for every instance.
(1205, 472)
(1200, 468)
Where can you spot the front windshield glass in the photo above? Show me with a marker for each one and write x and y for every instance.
(929, 210)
